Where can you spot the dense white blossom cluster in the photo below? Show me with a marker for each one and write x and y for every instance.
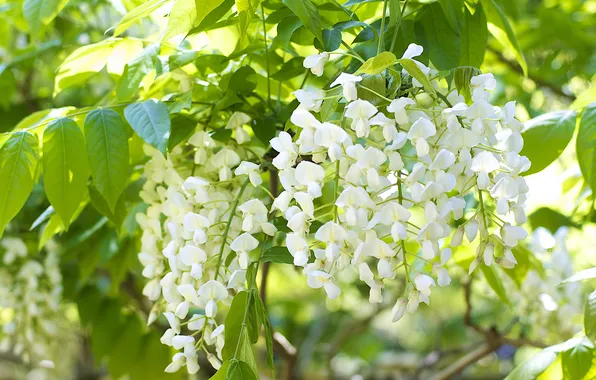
(401, 173)
(198, 235)
(33, 325)
(373, 189)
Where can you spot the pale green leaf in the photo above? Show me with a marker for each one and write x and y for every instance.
(586, 145)
(378, 64)
(545, 138)
(18, 165)
(533, 367)
(495, 282)
(308, 13)
(499, 27)
(82, 64)
(151, 121)
(412, 68)
(65, 169)
(107, 149)
(137, 14)
(587, 274)
(590, 317)
(39, 13)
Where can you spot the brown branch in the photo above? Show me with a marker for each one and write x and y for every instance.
(539, 81)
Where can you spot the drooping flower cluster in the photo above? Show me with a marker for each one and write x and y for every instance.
(34, 328)
(401, 175)
(198, 234)
(542, 300)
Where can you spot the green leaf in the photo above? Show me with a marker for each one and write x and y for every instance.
(550, 219)
(18, 167)
(378, 64)
(240, 370)
(576, 361)
(331, 39)
(461, 78)
(545, 138)
(135, 71)
(587, 274)
(495, 282)
(151, 121)
(137, 14)
(246, 10)
(441, 41)
(182, 18)
(182, 128)
(590, 317)
(126, 348)
(99, 203)
(212, 17)
(264, 318)
(53, 227)
(499, 27)
(222, 372)
(107, 150)
(308, 13)
(474, 38)
(65, 168)
(286, 28)
(83, 63)
(533, 367)
(586, 145)
(453, 12)
(278, 255)
(39, 13)
(412, 68)
(234, 322)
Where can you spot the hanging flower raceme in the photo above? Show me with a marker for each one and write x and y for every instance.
(198, 238)
(34, 326)
(400, 172)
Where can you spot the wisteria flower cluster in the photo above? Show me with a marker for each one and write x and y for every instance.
(195, 246)
(402, 172)
(33, 326)
(383, 190)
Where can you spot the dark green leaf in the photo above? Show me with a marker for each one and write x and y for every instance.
(107, 150)
(182, 127)
(545, 138)
(234, 321)
(151, 121)
(440, 40)
(244, 80)
(65, 167)
(290, 69)
(264, 318)
(18, 166)
(461, 78)
(286, 28)
(474, 37)
(331, 39)
(453, 12)
(550, 219)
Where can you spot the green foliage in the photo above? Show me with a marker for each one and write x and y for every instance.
(590, 317)
(309, 15)
(151, 120)
(378, 64)
(65, 168)
(39, 13)
(553, 130)
(577, 360)
(586, 145)
(533, 367)
(107, 149)
(18, 172)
